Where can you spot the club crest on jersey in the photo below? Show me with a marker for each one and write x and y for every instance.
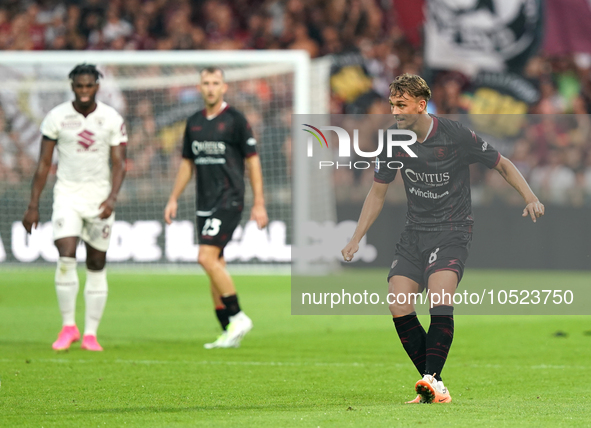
(221, 126)
(440, 152)
(86, 139)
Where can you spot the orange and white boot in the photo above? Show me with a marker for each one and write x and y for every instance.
(417, 400)
(432, 391)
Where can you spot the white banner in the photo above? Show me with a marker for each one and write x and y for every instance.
(473, 35)
(138, 242)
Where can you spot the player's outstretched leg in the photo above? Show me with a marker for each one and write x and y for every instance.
(221, 315)
(66, 285)
(240, 324)
(440, 334)
(439, 340)
(95, 295)
(410, 331)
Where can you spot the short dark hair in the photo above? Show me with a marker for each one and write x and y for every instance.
(410, 84)
(212, 69)
(85, 68)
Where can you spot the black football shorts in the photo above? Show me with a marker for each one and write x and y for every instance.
(217, 229)
(420, 254)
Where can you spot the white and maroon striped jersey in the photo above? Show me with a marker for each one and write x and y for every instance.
(83, 147)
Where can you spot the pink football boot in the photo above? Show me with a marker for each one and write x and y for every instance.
(90, 344)
(67, 336)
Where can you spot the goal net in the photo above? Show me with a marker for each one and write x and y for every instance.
(156, 92)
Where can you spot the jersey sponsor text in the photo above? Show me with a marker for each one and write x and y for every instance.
(208, 147)
(427, 193)
(439, 178)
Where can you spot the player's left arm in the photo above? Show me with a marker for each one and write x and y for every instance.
(478, 150)
(118, 156)
(511, 174)
(255, 172)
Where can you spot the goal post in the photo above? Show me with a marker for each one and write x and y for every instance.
(155, 92)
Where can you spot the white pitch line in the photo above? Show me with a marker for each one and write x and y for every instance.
(285, 363)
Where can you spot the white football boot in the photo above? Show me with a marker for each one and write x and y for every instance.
(218, 343)
(239, 325)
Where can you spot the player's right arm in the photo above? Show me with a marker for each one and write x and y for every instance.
(374, 202)
(31, 217)
(182, 179)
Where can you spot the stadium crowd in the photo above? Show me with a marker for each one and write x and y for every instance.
(554, 156)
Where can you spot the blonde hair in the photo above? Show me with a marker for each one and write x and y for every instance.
(410, 84)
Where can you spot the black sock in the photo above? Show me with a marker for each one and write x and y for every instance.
(231, 303)
(439, 338)
(222, 315)
(413, 338)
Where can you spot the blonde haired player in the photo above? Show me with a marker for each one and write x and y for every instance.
(433, 248)
(87, 134)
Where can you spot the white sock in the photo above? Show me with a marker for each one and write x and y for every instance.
(95, 294)
(66, 287)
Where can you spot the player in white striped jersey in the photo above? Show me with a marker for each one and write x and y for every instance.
(88, 134)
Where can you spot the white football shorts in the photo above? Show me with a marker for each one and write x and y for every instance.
(81, 218)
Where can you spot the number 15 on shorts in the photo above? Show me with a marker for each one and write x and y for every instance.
(211, 227)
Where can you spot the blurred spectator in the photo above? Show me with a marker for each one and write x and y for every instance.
(22, 33)
(4, 28)
(302, 40)
(554, 181)
(220, 26)
(93, 27)
(259, 31)
(522, 157)
(145, 154)
(382, 64)
(141, 39)
(179, 30)
(551, 101)
(331, 41)
(448, 99)
(545, 135)
(8, 151)
(75, 39)
(115, 27)
(55, 34)
(130, 10)
(368, 47)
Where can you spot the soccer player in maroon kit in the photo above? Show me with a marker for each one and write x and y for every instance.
(433, 247)
(218, 143)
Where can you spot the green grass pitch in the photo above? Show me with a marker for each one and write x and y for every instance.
(291, 371)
